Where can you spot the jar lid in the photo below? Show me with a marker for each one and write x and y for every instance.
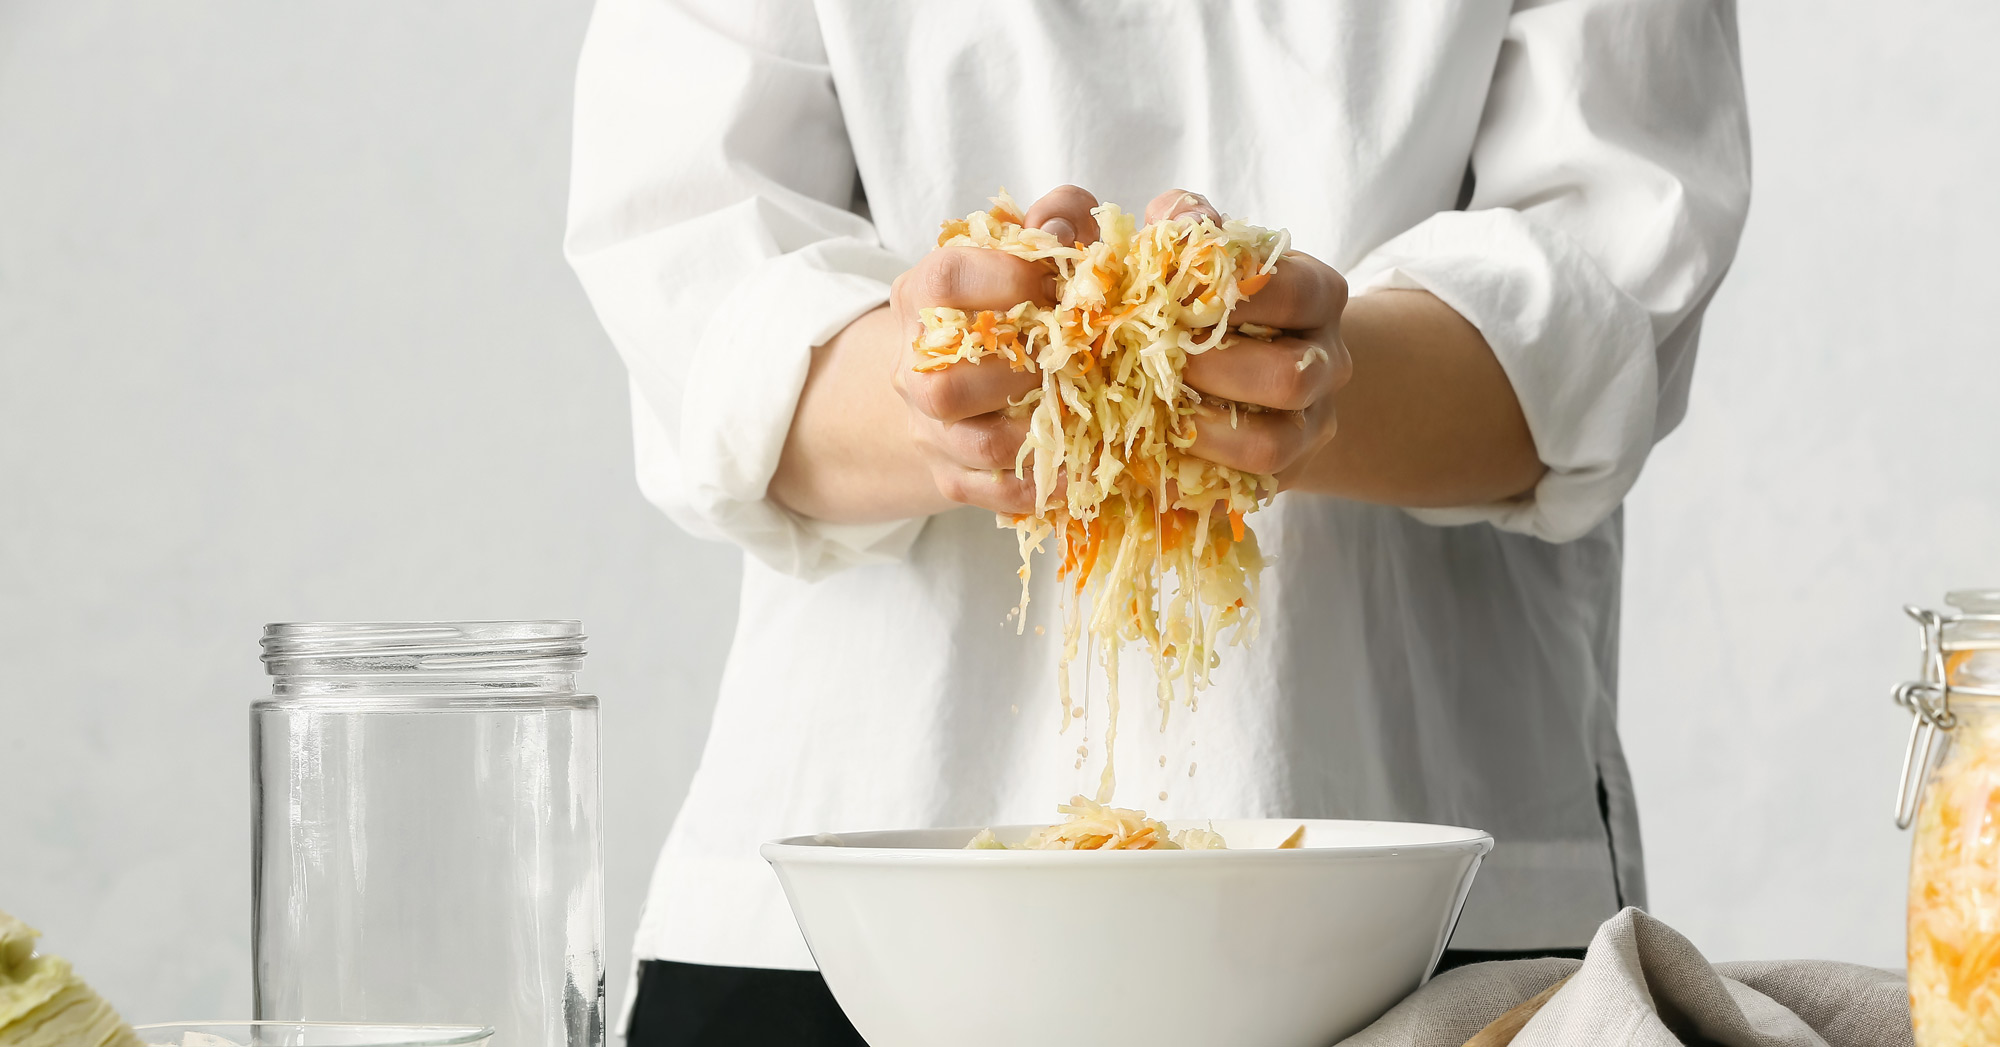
(344, 648)
(1976, 626)
(1975, 601)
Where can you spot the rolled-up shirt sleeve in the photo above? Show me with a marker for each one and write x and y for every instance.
(711, 222)
(1612, 176)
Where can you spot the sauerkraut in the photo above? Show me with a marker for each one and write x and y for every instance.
(1091, 826)
(44, 1004)
(1954, 946)
(1155, 545)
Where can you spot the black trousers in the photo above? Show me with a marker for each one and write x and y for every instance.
(694, 1005)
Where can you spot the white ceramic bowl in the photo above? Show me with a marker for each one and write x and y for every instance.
(924, 943)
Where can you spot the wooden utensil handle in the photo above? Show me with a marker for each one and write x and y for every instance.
(1501, 1031)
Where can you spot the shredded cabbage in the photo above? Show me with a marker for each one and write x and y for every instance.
(43, 1003)
(1108, 434)
(1091, 826)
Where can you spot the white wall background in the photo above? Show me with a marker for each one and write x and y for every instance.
(1836, 463)
(285, 334)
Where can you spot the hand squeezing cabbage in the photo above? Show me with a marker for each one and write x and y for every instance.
(1109, 432)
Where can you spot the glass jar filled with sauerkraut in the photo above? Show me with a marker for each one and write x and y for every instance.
(1951, 791)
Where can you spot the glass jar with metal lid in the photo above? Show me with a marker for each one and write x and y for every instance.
(1951, 791)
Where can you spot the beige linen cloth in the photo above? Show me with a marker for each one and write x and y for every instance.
(1643, 985)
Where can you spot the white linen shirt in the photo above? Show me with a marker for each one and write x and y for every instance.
(750, 176)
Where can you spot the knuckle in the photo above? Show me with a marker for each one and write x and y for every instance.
(1165, 204)
(1287, 394)
(1276, 382)
(978, 446)
(1291, 388)
(1072, 195)
(1340, 366)
(997, 447)
(1336, 287)
(934, 393)
(953, 484)
(1264, 451)
(943, 276)
(1192, 203)
(1019, 497)
(1291, 297)
(1321, 424)
(917, 391)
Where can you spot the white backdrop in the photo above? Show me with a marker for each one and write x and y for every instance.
(1834, 466)
(285, 334)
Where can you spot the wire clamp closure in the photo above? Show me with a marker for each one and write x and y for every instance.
(1929, 703)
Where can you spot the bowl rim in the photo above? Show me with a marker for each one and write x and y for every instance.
(433, 1035)
(815, 848)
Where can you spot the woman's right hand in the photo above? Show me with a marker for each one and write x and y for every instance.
(957, 414)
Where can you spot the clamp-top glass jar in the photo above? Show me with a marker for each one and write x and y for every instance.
(426, 829)
(1951, 789)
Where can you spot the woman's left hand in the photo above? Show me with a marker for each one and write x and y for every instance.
(1295, 384)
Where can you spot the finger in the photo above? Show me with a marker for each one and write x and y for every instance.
(1264, 443)
(966, 389)
(1284, 374)
(1176, 203)
(974, 278)
(987, 441)
(998, 490)
(1302, 294)
(1065, 212)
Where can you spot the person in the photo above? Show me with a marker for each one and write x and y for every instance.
(1508, 219)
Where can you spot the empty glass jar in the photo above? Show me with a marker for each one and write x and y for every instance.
(426, 829)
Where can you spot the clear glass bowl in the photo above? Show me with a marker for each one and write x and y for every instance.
(310, 1034)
